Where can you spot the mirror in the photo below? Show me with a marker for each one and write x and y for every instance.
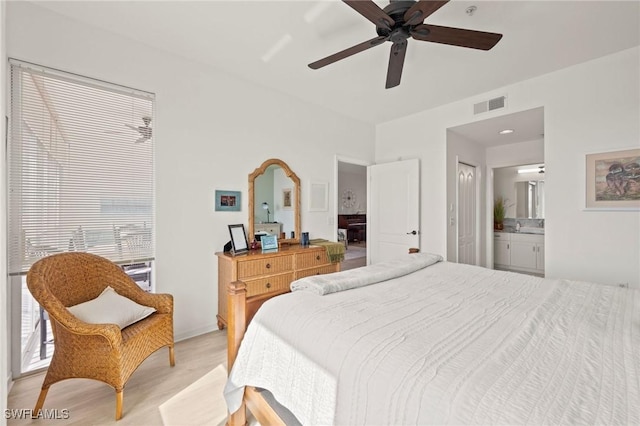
(274, 201)
(530, 199)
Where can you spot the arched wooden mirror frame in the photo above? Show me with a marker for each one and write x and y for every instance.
(296, 204)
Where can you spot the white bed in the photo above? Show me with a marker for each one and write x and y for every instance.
(445, 344)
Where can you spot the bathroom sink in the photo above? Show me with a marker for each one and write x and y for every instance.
(531, 230)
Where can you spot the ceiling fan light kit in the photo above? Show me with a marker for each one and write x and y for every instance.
(403, 19)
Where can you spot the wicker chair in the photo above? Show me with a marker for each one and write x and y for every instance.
(96, 351)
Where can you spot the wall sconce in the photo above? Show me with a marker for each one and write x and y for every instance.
(265, 206)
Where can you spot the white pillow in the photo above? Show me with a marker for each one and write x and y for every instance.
(111, 308)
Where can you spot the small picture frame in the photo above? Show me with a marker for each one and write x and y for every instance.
(239, 242)
(287, 198)
(228, 201)
(269, 243)
(613, 180)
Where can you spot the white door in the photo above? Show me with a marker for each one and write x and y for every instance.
(393, 218)
(466, 214)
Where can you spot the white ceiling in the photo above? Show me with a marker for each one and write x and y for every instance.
(234, 36)
(526, 126)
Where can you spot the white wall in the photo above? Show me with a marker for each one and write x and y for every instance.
(211, 130)
(4, 319)
(590, 107)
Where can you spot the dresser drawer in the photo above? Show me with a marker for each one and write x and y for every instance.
(271, 265)
(327, 269)
(275, 283)
(311, 259)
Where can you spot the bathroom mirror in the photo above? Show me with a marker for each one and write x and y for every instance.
(530, 199)
(274, 201)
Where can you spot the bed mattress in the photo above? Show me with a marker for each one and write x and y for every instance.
(448, 344)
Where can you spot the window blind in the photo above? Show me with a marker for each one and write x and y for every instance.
(81, 168)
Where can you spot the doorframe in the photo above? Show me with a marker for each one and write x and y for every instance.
(477, 211)
(336, 205)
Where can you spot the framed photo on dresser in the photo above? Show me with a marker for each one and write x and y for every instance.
(269, 243)
(239, 242)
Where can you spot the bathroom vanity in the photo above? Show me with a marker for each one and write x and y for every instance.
(519, 252)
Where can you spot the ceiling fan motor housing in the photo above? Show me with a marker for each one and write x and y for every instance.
(396, 11)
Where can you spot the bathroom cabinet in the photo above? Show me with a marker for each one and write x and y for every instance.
(519, 252)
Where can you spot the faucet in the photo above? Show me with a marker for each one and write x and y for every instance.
(518, 226)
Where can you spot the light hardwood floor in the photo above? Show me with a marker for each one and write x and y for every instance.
(93, 403)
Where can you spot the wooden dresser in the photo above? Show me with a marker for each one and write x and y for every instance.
(268, 274)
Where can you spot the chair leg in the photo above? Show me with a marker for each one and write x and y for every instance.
(119, 398)
(172, 357)
(40, 403)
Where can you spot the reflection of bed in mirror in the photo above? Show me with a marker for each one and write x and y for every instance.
(419, 340)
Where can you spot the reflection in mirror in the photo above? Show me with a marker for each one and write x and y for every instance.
(274, 200)
(530, 199)
(269, 196)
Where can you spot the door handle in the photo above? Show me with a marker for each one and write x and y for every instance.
(414, 232)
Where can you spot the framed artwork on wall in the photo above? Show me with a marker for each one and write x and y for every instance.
(228, 201)
(287, 198)
(318, 196)
(613, 180)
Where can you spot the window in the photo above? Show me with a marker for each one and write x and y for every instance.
(81, 171)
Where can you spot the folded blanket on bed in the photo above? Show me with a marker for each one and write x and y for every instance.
(359, 277)
(335, 251)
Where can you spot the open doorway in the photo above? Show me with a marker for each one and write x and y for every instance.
(500, 141)
(351, 210)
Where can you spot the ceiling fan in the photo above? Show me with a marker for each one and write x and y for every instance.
(145, 131)
(400, 20)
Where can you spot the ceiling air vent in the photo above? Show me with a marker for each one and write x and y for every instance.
(490, 105)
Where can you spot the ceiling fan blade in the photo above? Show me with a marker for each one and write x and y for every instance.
(421, 10)
(396, 62)
(456, 36)
(372, 12)
(348, 52)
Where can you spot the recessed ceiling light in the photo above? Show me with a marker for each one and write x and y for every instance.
(506, 131)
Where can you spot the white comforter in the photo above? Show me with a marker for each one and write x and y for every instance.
(452, 344)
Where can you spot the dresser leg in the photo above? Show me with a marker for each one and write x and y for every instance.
(221, 323)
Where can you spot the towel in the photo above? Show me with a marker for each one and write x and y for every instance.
(366, 275)
(335, 251)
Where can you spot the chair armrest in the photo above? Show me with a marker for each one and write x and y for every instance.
(111, 332)
(163, 303)
(125, 286)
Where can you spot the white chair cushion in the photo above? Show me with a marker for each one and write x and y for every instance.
(111, 308)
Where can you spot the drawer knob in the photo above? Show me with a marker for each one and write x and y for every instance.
(268, 285)
(318, 257)
(268, 265)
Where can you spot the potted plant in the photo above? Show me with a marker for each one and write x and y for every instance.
(499, 210)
